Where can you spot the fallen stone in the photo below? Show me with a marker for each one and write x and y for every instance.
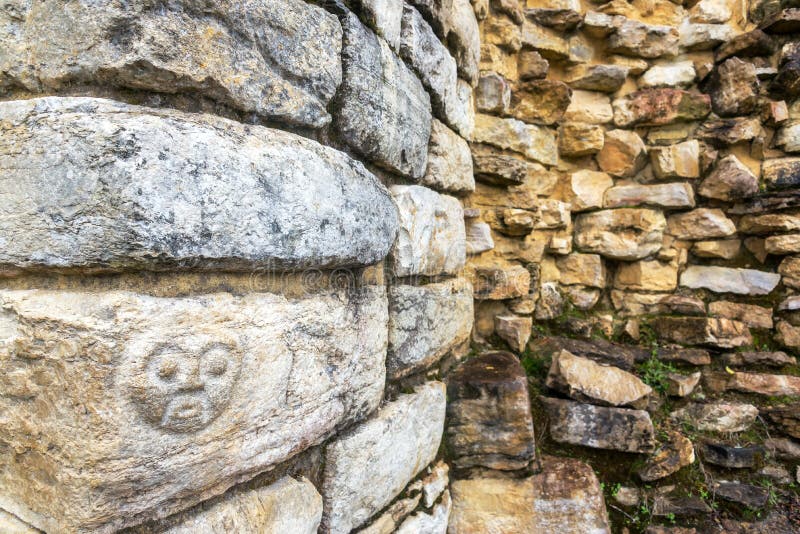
(674, 195)
(153, 213)
(489, 420)
(404, 433)
(733, 88)
(603, 78)
(633, 38)
(600, 427)
(781, 245)
(216, 52)
(754, 497)
(432, 237)
(717, 416)
(425, 323)
(752, 315)
(516, 331)
(540, 101)
(500, 283)
(669, 458)
(623, 153)
(750, 44)
(722, 333)
(622, 234)
(218, 377)
(680, 160)
(679, 385)
(702, 223)
(782, 173)
(730, 180)
(680, 73)
(726, 249)
(659, 106)
(389, 123)
(724, 132)
(449, 161)
(576, 139)
(584, 380)
(288, 505)
(535, 142)
(730, 280)
(731, 457)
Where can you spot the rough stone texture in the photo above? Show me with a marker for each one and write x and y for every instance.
(195, 393)
(654, 107)
(125, 189)
(725, 132)
(764, 384)
(674, 195)
(577, 139)
(647, 275)
(770, 359)
(514, 330)
(366, 467)
(679, 385)
(582, 269)
(632, 38)
(714, 332)
(600, 427)
(288, 505)
(10, 524)
(702, 223)
(586, 189)
(719, 416)
(781, 173)
(381, 110)
(681, 160)
(489, 415)
(680, 73)
(730, 180)
(603, 78)
(449, 161)
(731, 457)
(730, 280)
(599, 350)
(734, 88)
(584, 380)
(750, 314)
(425, 323)
(786, 417)
(540, 101)
(432, 236)
(535, 142)
(501, 284)
(782, 245)
(753, 497)
(669, 458)
(218, 51)
(385, 17)
(433, 523)
(623, 234)
(589, 107)
(623, 153)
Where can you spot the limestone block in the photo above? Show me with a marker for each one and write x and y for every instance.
(749, 44)
(723, 132)
(788, 137)
(582, 269)
(769, 223)
(382, 110)
(790, 271)
(433, 523)
(781, 173)
(681, 160)
(730, 280)
(287, 505)
(385, 17)
(449, 161)
(217, 50)
(367, 466)
(535, 142)
(623, 153)
(500, 283)
(577, 139)
(531, 65)
(674, 195)
(432, 237)
(702, 223)
(463, 39)
(729, 180)
(623, 234)
(96, 184)
(647, 275)
(633, 38)
(711, 11)
(603, 78)
(660, 106)
(589, 107)
(750, 314)
(547, 42)
(771, 359)
(719, 416)
(540, 101)
(782, 245)
(734, 88)
(714, 332)
(704, 36)
(493, 94)
(679, 73)
(479, 237)
(425, 323)
(669, 458)
(586, 189)
(143, 406)
(514, 330)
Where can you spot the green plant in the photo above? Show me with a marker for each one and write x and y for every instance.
(653, 372)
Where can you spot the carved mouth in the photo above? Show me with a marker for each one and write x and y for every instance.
(184, 414)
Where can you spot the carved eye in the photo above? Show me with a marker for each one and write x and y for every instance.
(167, 369)
(217, 365)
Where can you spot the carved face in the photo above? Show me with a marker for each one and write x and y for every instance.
(185, 384)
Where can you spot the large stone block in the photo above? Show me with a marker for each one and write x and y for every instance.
(432, 237)
(368, 466)
(623, 234)
(142, 406)
(730, 280)
(535, 142)
(253, 55)
(449, 161)
(426, 322)
(382, 109)
(95, 184)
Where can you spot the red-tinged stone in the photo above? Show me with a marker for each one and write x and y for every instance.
(654, 107)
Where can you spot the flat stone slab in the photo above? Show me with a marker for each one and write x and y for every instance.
(252, 55)
(730, 280)
(143, 406)
(95, 184)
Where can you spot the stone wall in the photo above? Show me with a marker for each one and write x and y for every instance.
(633, 237)
(231, 263)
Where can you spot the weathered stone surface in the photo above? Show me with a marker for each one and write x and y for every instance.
(788, 137)
(580, 139)
(633, 38)
(647, 275)
(585, 380)
(734, 88)
(383, 16)
(783, 244)
(540, 101)
(535, 142)
(497, 505)
(581, 269)
(514, 330)
(704, 36)
(674, 195)
(702, 223)
(381, 110)
(493, 94)
(681, 160)
(489, 420)
(750, 314)
(492, 166)
(603, 78)
(562, 15)
(432, 237)
(679, 385)
(726, 249)
(783, 448)
(781, 173)
(719, 416)
(623, 153)
(463, 38)
(425, 323)
(586, 189)
(677, 503)
(600, 427)
(788, 420)
(788, 335)
(787, 81)
(715, 332)
(731, 457)
(500, 284)
(10, 524)
(730, 280)
(710, 12)
(288, 505)
(199, 392)
(128, 194)
(790, 271)
(547, 42)
(589, 107)
(771, 359)
(754, 497)
(479, 237)
(723, 132)
(599, 350)
(366, 467)
(433, 523)
(684, 355)
(215, 51)
(753, 43)
(623, 234)
(762, 384)
(680, 73)
(449, 161)
(669, 458)
(730, 180)
(658, 106)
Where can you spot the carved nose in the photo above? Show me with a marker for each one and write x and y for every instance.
(191, 381)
